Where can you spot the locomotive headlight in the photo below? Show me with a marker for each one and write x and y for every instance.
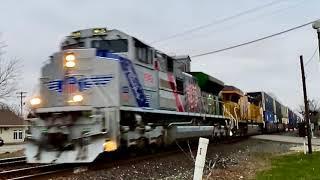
(77, 98)
(99, 31)
(70, 57)
(35, 101)
(70, 64)
(70, 60)
(109, 146)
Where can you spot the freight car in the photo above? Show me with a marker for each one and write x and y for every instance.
(106, 90)
(293, 119)
(276, 116)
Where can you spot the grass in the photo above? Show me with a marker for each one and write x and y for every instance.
(293, 166)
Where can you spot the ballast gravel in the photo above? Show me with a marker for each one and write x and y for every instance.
(240, 160)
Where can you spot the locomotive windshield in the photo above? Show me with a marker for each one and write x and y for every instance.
(115, 46)
(74, 46)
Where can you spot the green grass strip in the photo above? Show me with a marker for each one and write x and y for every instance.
(293, 166)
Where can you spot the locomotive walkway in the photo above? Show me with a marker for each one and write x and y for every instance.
(288, 139)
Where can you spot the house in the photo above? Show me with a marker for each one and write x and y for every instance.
(12, 127)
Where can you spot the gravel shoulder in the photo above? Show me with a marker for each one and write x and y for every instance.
(12, 154)
(250, 157)
(239, 160)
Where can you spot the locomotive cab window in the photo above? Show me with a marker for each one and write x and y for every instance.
(143, 52)
(161, 60)
(170, 64)
(114, 46)
(74, 46)
(179, 85)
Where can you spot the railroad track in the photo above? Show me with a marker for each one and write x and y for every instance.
(13, 161)
(35, 171)
(52, 170)
(30, 171)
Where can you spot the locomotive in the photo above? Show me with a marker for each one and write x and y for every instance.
(106, 90)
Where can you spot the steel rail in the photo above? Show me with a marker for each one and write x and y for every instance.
(14, 160)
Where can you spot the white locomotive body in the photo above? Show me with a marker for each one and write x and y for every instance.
(107, 90)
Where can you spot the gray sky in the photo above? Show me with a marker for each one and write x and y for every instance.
(33, 30)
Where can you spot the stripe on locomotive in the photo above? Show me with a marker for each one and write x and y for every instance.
(131, 75)
(71, 84)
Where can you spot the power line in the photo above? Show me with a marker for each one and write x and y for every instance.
(241, 23)
(310, 59)
(253, 41)
(314, 53)
(218, 21)
(21, 96)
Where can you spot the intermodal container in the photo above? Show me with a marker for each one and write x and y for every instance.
(268, 117)
(268, 103)
(292, 118)
(278, 111)
(284, 111)
(264, 100)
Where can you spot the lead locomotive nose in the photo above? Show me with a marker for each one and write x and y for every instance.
(59, 138)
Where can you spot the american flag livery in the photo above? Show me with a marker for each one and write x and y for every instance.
(192, 95)
(148, 77)
(55, 85)
(125, 93)
(72, 84)
(148, 98)
(89, 82)
(173, 85)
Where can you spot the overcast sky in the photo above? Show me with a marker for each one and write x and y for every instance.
(33, 30)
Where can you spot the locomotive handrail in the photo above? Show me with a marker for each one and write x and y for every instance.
(30, 137)
(91, 134)
(138, 109)
(231, 117)
(180, 123)
(237, 121)
(63, 108)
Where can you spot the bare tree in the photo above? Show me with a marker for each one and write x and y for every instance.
(8, 74)
(314, 105)
(12, 108)
(314, 109)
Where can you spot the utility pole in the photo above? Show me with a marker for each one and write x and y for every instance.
(21, 96)
(306, 105)
(316, 26)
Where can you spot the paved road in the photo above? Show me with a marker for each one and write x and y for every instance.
(289, 139)
(11, 148)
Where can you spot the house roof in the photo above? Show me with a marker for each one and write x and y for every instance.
(9, 118)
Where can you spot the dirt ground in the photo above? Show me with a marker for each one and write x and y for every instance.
(247, 161)
(240, 160)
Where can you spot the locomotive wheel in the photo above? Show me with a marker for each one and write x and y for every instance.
(156, 147)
